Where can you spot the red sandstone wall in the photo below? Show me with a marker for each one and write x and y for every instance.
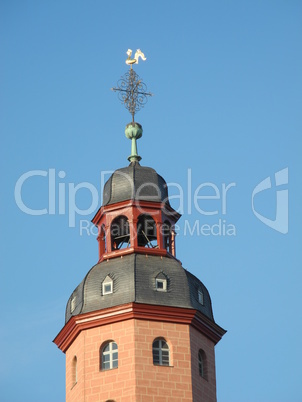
(204, 389)
(93, 384)
(136, 379)
(161, 383)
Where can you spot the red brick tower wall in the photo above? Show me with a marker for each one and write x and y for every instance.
(95, 385)
(137, 378)
(204, 388)
(163, 383)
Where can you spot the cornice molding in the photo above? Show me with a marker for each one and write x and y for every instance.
(178, 315)
(161, 206)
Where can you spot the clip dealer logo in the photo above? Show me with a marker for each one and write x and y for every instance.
(207, 200)
(280, 223)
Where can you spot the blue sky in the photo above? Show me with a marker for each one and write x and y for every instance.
(226, 78)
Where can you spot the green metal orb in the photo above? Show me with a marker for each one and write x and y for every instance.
(134, 131)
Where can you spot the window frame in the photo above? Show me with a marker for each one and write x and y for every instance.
(109, 353)
(74, 372)
(202, 364)
(164, 283)
(107, 281)
(72, 304)
(200, 297)
(160, 349)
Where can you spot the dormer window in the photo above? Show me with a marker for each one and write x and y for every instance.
(107, 286)
(73, 304)
(161, 284)
(200, 296)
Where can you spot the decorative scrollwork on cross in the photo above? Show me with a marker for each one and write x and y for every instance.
(132, 91)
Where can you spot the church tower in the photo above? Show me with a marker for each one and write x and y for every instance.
(139, 327)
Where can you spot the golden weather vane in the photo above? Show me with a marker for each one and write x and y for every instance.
(137, 55)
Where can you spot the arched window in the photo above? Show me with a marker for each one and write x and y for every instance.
(161, 353)
(109, 356)
(120, 234)
(146, 232)
(74, 370)
(202, 364)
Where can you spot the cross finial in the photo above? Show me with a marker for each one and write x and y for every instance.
(132, 92)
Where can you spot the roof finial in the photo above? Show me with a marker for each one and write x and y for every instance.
(132, 92)
(134, 131)
(138, 54)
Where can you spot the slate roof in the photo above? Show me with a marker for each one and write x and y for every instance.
(135, 182)
(134, 280)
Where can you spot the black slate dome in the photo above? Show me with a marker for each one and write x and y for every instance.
(134, 280)
(135, 182)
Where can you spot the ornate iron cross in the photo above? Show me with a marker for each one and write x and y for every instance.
(132, 91)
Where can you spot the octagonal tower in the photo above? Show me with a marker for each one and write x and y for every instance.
(139, 327)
